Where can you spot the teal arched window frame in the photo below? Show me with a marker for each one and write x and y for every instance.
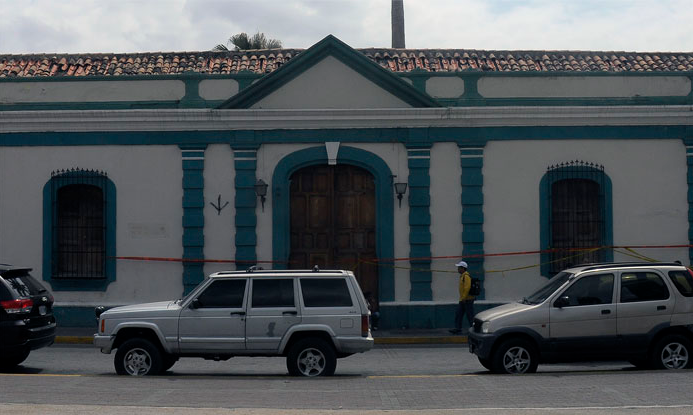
(545, 212)
(50, 193)
(384, 201)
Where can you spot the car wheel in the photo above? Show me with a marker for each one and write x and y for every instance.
(311, 357)
(138, 357)
(9, 362)
(515, 356)
(672, 352)
(486, 363)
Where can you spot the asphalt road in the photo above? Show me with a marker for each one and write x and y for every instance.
(407, 380)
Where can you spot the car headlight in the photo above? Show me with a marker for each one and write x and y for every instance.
(484, 327)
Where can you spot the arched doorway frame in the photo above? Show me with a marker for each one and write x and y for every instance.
(384, 205)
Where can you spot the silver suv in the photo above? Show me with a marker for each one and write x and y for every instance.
(312, 317)
(639, 312)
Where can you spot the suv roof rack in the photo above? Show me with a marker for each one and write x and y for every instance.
(601, 265)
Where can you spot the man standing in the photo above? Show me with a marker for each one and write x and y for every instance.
(466, 304)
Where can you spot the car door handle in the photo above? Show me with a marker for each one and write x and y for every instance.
(661, 307)
(606, 311)
(290, 313)
(238, 313)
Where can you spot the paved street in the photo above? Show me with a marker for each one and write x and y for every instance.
(407, 379)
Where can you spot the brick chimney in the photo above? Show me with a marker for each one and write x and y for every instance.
(398, 24)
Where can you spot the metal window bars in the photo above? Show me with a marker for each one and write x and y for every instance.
(79, 224)
(577, 212)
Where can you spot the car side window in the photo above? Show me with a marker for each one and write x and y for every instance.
(273, 293)
(642, 286)
(325, 292)
(590, 290)
(223, 294)
(683, 280)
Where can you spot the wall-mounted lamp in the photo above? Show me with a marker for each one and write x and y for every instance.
(400, 189)
(261, 192)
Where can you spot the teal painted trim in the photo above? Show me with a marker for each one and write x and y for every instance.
(464, 136)
(545, 217)
(420, 275)
(472, 217)
(245, 201)
(689, 162)
(330, 46)
(193, 221)
(192, 98)
(423, 316)
(49, 200)
(72, 316)
(384, 206)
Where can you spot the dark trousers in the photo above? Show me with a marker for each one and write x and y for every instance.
(464, 307)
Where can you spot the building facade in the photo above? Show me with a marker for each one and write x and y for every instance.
(128, 178)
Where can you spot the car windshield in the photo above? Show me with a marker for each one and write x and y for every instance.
(545, 292)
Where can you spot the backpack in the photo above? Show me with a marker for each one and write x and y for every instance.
(475, 288)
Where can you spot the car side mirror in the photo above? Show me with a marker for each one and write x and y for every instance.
(562, 302)
(195, 304)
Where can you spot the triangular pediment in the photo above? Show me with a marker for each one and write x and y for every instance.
(330, 75)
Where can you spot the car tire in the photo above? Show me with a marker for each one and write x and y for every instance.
(11, 361)
(515, 356)
(311, 357)
(138, 357)
(672, 352)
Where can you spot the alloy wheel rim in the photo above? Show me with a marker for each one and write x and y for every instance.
(674, 356)
(311, 362)
(516, 360)
(137, 362)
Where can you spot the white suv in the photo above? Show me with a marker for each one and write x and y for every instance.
(312, 317)
(639, 312)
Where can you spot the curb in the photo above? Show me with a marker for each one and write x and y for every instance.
(378, 340)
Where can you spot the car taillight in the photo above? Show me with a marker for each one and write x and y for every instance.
(364, 325)
(20, 306)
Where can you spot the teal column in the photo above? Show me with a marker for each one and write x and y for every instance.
(472, 161)
(419, 161)
(193, 216)
(689, 180)
(245, 164)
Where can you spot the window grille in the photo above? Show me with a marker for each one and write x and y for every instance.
(79, 224)
(577, 214)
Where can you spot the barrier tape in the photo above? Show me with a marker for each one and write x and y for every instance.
(629, 251)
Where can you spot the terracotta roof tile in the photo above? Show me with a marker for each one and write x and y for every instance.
(395, 60)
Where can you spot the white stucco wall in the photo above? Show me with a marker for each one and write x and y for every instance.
(91, 91)
(648, 209)
(584, 86)
(330, 84)
(218, 88)
(446, 220)
(148, 185)
(219, 229)
(445, 87)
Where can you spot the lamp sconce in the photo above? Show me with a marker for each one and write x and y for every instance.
(261, 192)
(400, 189)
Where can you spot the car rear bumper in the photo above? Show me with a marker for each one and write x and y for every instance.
(18, 337)
(354, 344)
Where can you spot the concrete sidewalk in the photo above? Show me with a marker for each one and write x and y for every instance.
(85, 335)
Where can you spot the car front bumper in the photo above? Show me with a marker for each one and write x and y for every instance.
(105, 343)
(480, 344)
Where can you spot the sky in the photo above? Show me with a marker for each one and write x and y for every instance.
(122, 26)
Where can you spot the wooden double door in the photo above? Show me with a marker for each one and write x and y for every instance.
(333, 223)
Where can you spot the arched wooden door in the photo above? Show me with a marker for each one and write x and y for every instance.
(333, 222)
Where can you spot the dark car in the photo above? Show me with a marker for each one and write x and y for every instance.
(26, 315)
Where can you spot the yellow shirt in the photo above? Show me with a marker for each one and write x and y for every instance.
(465, 285)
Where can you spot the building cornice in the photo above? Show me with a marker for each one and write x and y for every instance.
(165, 120)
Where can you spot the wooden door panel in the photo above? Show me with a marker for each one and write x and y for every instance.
(333, 222)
